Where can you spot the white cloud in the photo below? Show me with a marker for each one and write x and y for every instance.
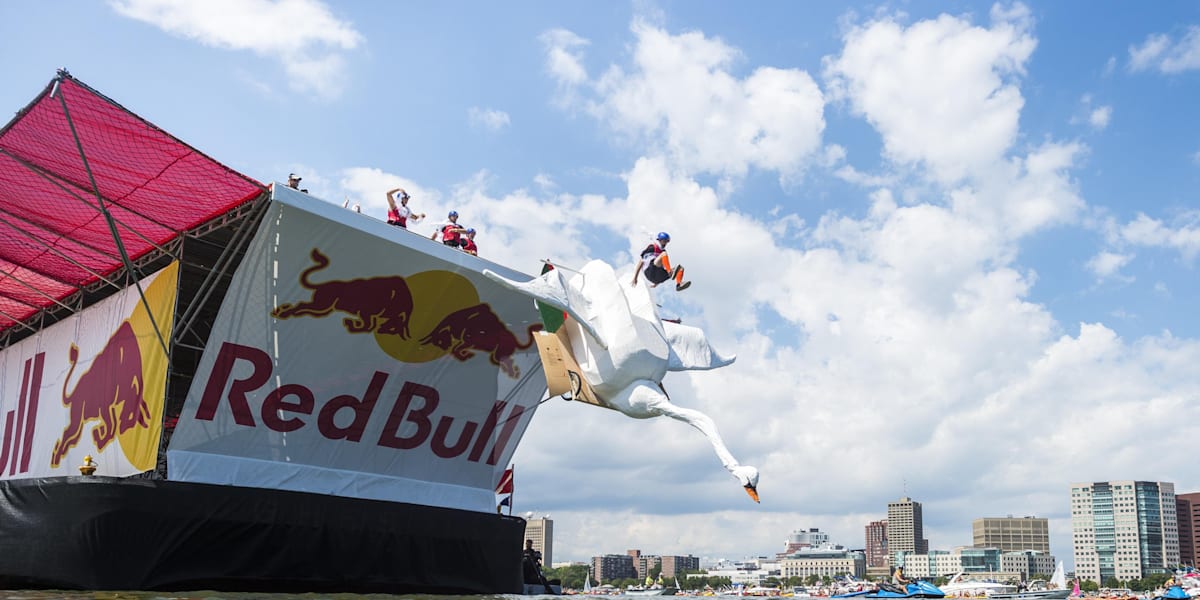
(303, 35)
(941, 92)
(1106, 265)
(1100, 116)
(1161, 53)
(681, 97)
(488, 118)
(1182, 235)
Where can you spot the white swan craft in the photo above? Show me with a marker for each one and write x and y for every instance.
(623, 348)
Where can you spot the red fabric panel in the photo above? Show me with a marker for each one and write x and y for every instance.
(53, 235)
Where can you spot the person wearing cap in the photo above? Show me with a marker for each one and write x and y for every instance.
(655, 263)
(400, 215)
(468, 242)
(451, 232)
(294, 182)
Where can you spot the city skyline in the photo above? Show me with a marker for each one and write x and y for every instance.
(952, 244)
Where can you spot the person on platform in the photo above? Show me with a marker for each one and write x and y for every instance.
(468, 242)
(402, 214)
(655, 263)
(451, 232)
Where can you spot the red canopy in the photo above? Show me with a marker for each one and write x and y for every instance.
(54, 237)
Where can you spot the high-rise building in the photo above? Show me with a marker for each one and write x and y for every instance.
(1011, 534)
(1123, 529)
(541, 531)
(905, 531)
(612, 566)
(673, 566)
(876, 548)
(1187, 511)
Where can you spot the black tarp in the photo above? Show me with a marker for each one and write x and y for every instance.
(99, 533)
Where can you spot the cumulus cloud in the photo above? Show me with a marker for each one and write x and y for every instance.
(303, 35)
(1108, 264)
(941, 92)
(1162, 53)
(1182, 234)
(488, 118)
(681, 97)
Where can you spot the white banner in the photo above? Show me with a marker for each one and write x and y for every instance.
(358, 359)
(90, 385)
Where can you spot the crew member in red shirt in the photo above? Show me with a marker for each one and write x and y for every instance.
(451, 232)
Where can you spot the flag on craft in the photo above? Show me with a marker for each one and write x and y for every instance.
(507, 501)
(506, 482)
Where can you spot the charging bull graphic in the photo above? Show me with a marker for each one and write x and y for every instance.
(478, 328)
(375, 304)
(443, 303)
(111, 391)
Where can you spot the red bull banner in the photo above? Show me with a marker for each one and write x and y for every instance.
(91, 385)
(358, 359)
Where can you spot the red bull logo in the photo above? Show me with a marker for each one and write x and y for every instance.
(20, 425)
(444, 304)
(110, 391)
(375, 304)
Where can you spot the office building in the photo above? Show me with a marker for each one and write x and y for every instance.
(674, 566)
(613, 566)
(1011, 534)
(905, 531)
(1187, 511)
(541, 531)
(876, 548)
(643, 564)
(1123, 529)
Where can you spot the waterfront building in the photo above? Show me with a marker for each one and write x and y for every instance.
(978, 563)
(672, 566)
(1028, 563)
(749, 572)
(1123, 529)
(876, 548)
(613, 566)
(541, 531)
(1012, 534)
(824, 561)
(1187, 511)
(643, 564)
(905, 529)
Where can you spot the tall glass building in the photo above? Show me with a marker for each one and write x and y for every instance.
(1123, 529)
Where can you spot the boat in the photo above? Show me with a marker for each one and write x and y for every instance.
(1056, 589)
(915, 589)
(208, 382)
(959, 586)
(649, 588)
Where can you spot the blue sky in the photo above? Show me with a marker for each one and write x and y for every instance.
(954, 244)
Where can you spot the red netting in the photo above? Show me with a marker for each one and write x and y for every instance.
(53, 237)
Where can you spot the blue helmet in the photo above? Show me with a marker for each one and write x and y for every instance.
(453, 213)
(663, 236)
(470, 230)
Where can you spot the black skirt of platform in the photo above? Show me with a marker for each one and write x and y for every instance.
(100, 533)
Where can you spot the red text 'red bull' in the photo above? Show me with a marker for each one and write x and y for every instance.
(293, 406)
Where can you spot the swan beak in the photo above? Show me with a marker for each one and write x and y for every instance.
(753, 492)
